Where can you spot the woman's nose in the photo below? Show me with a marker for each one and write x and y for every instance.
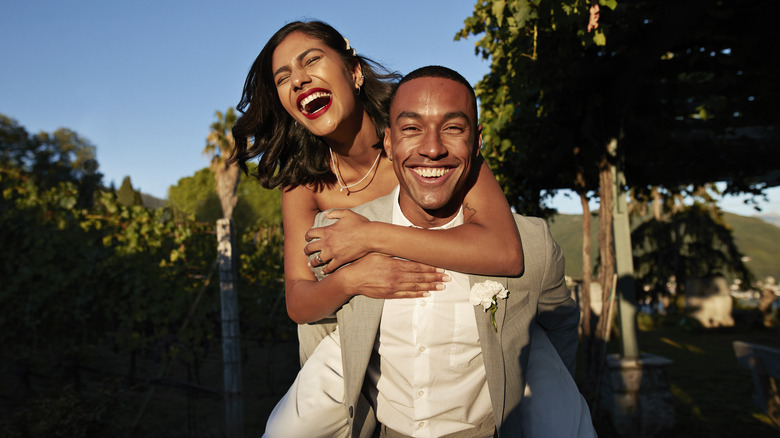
(299, 79)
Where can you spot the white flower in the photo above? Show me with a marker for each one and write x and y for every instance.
(485, 294)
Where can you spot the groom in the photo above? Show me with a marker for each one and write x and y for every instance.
(439, 365)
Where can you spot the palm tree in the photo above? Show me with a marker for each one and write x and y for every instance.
(219, 144)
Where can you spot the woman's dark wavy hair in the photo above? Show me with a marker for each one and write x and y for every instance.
(290, 155)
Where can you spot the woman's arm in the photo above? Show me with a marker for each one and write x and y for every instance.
(487, 243)
(377, 276)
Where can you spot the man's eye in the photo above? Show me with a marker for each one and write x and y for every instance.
(312, 60)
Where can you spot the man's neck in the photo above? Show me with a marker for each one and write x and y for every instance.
(426, 219)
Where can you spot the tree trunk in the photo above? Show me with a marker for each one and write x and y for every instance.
(606, 244)
(227, 183)
(586, 267)
(657, 204)
(597, 346)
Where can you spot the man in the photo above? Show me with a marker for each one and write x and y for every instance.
(440, 366)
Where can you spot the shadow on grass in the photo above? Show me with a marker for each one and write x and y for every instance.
(712, 394)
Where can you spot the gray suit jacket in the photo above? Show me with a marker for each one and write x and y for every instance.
(538, 296)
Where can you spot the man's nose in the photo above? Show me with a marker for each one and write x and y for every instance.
(432, 145)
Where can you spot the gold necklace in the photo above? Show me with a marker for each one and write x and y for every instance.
(339, 178)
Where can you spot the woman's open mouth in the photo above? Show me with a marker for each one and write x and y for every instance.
(314, 103)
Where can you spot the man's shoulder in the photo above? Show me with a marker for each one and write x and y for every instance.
(530, 224)
(380, 209)
(534, 232)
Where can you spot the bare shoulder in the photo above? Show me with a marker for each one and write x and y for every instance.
(299, 207)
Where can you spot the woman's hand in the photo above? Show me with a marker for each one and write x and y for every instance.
(342, 242)
(384, 277)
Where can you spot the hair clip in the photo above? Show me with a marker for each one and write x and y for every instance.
(349, 48)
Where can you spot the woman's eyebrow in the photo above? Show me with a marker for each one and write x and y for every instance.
(298, 58)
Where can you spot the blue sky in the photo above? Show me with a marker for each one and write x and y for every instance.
(141, 80)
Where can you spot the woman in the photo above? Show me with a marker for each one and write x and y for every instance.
(317, 112)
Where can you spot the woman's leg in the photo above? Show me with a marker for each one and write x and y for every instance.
(552, 405)
(314, 404)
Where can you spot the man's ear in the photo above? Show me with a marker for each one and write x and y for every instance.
(388, 144)
(478, 146)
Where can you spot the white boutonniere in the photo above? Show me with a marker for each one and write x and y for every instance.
(485, 294)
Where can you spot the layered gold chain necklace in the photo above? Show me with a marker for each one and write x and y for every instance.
(339, 178)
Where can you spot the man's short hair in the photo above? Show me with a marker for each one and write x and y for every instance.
(438, 71)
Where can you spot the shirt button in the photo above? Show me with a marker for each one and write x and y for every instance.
(420, 393)
(421, 349)
(422, 303)
(421, 424)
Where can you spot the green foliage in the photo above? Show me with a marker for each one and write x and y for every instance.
(128, 196)
(116, 275)
(675, 83)
(756, 239)
(694, 242)
(51, 159)
(529, 44)
(129, 276)
(220, 143)
(65, 415)
(264, 313)
(196, 195)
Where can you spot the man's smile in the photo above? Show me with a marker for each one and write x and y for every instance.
(431, 172)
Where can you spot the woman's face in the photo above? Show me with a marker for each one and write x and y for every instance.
(314, 85)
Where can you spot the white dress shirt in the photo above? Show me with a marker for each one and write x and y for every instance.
(428, 376)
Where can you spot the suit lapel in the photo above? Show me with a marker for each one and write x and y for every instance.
(359, 319)
(490, 341)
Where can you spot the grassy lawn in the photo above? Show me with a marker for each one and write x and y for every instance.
(712, 394)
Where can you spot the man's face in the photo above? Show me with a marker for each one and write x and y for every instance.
(432, 140)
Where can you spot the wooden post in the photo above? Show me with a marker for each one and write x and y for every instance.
(624, 267)
(231, 346)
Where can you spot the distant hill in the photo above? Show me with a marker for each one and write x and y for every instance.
(772, 218)
(755, 237)
(760, 241)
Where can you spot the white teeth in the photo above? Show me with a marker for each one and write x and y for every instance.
(308, 99)
(431, 172)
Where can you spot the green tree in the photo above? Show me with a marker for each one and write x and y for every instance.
(219, 145)
(673, 94)
(255, 207)
(127, 195)
(686, 243)
(62, 156)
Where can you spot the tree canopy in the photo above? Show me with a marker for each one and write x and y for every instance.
(680, 86)
(51, 159)
(197, 195)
